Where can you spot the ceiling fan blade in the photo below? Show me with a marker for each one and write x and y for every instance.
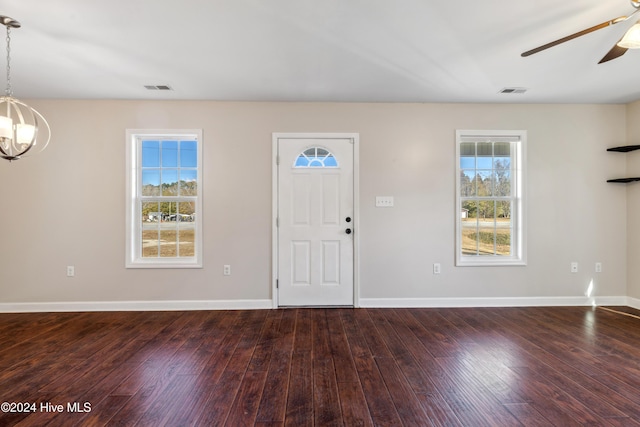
(576, 35)
(615, 52)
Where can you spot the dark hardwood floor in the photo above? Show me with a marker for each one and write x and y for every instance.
(561, 366)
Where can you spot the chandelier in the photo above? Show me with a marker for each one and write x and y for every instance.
(22, 129)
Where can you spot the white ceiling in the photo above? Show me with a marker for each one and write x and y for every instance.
(322, 50)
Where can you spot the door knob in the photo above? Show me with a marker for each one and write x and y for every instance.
(348, 231)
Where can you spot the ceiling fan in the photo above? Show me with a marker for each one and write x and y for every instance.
(631, 39)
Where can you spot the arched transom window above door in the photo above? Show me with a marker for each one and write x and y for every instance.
(316, 157)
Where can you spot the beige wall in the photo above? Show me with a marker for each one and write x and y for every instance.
(66, 206)
(633, 201)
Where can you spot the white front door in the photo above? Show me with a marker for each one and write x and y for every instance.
(315, 221)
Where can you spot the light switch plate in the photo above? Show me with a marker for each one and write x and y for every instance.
(384, 201)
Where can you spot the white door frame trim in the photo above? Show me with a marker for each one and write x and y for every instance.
(355, 137)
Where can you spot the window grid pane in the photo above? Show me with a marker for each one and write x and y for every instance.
(315, 157)
(168, 191)
(487, 197)
(168, 168)
(168, 228)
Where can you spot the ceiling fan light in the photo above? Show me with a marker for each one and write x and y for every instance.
(631, 39)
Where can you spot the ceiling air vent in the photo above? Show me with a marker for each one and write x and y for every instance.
(513, 90)
(157, 87)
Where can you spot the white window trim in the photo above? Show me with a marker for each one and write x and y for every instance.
(519, 176)
(133, 221)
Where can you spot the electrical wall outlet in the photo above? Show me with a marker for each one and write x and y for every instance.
(436, 268)
(598, 267)
(574, 267)
(71, 271)
(226, 270)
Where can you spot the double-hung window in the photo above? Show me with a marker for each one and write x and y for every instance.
(164, 198)
(490, 208)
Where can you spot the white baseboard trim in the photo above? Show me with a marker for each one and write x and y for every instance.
(40, 307)
(43, 307)
(633, 303)
(490, 302)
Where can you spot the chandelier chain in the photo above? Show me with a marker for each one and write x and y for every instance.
(8, 91)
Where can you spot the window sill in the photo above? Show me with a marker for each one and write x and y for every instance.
(490, 261)
(164, 264)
